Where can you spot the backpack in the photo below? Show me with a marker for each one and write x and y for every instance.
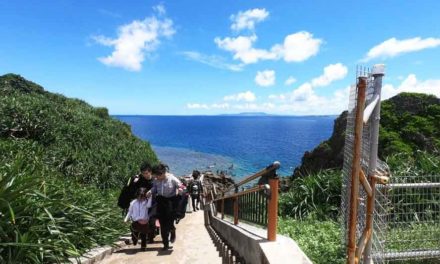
(124, 198)
(195, 188)
(127, 194)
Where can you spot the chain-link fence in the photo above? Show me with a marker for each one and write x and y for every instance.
(406, 216)
(368, 166)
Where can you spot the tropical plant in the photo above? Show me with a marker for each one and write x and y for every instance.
(62, 163)
(318, 195)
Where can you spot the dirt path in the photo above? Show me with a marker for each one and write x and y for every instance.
(193, 245)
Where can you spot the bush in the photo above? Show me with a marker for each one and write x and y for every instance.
(48, 219)
(62, 164)
(318, 195)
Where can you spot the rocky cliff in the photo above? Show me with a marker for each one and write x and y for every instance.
(409, 122)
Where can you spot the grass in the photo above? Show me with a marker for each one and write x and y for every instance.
(320, 240)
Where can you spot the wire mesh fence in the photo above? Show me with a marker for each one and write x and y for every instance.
(368, 141)
(348, 159)
(413, 217)
(406, 220)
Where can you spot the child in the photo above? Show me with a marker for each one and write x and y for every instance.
(138, 213)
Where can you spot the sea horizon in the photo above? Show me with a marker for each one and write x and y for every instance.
(231, 115)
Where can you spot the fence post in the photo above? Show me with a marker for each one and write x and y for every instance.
(272, 212)
(236, 207)
(378, 72)
(354, 194)
(223, 205)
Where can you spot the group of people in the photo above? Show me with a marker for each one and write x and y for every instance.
(156, 194)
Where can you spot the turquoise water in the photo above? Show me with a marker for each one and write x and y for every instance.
(240, 144)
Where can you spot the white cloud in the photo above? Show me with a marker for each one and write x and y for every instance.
(248, 19)
(242, 48)
(296, 48)
(331, 73)
(302, 93)
(160, 9)
(197, 106)
(135, 41)
(265, 78)
(220, 106)
(278, 97)
(411, 84)
(393, 47)
(304, 100)
(299, 47)
(213, 61)
(291, 80)
(247, 96)
(247, 106)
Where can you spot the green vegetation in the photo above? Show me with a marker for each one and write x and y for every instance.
(309, 215)
(309, 210)
(410, 122)
(317, 196)
(320, 240)
(62, 162)
(409, 141)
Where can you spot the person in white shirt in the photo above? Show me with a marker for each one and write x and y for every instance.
(138, 213)
(165, 189)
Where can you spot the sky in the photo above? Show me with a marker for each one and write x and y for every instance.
(191, 57)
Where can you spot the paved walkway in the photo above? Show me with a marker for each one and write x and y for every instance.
(193, 245)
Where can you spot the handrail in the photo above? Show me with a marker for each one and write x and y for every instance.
(272, 167)
(250, 190)
(252, 202)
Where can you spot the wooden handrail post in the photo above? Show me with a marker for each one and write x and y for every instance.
(355, 170)
(272, 211)
(236, 210)
(223, 205)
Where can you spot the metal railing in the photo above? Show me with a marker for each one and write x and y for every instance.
(257, 204)
(412, 204)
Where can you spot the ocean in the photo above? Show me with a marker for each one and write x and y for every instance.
(239, 145)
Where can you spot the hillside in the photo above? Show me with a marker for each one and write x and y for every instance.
(409, 122)
(62, 162)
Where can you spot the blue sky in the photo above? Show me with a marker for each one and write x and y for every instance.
(211, 57)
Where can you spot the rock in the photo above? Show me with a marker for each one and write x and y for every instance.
(221, 181)
(409, 122)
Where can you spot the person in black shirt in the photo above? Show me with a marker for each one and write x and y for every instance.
(195, 190)
(142, 180)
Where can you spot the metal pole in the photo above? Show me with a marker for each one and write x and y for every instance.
(355, 170)
(272, 214)
(378, 73)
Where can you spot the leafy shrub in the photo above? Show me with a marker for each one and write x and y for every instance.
(82, 142)
(317, 194)
(47, 218)
(62, 163)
